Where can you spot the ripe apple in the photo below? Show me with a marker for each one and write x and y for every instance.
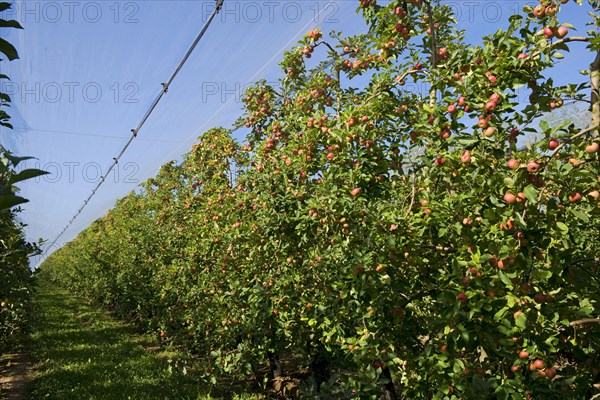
(513, 164)
(495, 98)
(539, 364)
(517, 314)
(539, 11)
(532, 367)
(575, 197)
(489, 131)
(510, 198)
(548, 32)
(533, 167)
(355, 192)
(523, 355)
(466, 156)
(550, 373)
(462, 297)
(467, 221)
(462, 101)
(451, 108)
(522, 56)
(539, 298)
(515, 368)
(490, 106)
(594, 195)
(592, 148)
(561, 32)
(483, 122)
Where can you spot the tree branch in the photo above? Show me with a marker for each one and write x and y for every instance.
(589, 321)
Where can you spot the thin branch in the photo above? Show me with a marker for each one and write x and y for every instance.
(589, 321)
(561, 41)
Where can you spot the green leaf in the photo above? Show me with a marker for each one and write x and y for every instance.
(17, 160)
(8, 49)
(504, 279)
(11, 201)
(500, 314)
(26, 174)
(563, 228)
(581, 215)
(10, 24)
(531, 194)
(521, 320)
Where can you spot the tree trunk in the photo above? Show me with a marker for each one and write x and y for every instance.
(275, 365)
(389, 393)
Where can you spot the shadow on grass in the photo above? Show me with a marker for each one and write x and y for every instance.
(83, 353)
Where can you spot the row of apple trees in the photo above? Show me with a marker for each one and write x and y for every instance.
(406, 241)
(15, 277)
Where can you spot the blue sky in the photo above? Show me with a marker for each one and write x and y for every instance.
(89, 70)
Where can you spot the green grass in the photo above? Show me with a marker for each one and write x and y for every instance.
(82, 352)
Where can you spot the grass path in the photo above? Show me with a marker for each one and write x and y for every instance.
(82, 352)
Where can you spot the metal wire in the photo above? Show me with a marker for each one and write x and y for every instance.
(136, 130)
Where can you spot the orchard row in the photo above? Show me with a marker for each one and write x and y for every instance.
(437, 246)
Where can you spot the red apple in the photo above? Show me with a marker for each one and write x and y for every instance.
(539, 298)
(539, 364)
(513, 164)
(533, 167)
(561, 32)
(510, 198)
(523, 355)
(592, 148)
(489, 131)
(451, 108)
(466, 156)
(495, 97)
(355, 192)
(539, 11)
(548, 32)
(594, 195)
(462, 101)
(553, 144)
(522, 56)
(575, 197)
(532, 367)
(550, 373)
(462, 297)
(490, 106)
